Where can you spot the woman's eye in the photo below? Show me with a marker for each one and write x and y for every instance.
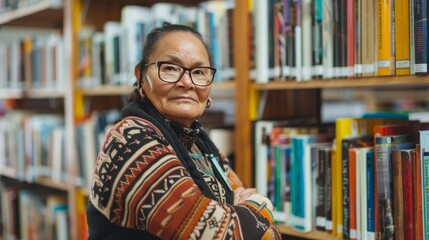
(198, 72)
(170, 68)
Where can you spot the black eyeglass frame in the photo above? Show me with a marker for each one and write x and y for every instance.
(159, 63)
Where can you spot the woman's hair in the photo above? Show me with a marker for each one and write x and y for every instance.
(151, 42)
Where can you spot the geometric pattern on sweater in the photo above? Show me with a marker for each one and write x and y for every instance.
(139, 183)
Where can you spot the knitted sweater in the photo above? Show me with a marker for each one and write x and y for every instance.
(145, 186)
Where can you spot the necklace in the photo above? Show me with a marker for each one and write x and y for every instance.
(200, 161)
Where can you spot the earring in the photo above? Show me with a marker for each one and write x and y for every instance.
(209, 103)
(141, 92)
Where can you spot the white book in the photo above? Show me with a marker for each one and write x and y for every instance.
(97, 57)
(137, 23)
(113, 32)
(363, 191)
(262, 128)
(89, 149)
(260, 11)
(166, 12)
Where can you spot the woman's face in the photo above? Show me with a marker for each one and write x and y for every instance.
(182, 102)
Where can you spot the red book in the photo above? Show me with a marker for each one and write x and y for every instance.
(398, 194)
(408, 156)
(417, 188)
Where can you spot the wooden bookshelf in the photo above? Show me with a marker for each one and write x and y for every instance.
(46, 13)
(315, 235)
(413, 80)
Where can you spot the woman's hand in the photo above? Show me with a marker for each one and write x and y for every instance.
(241, 194)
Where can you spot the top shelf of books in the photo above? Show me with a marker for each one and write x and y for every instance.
(40, 13)
(346, 82)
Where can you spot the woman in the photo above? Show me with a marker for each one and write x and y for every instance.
(158, 175)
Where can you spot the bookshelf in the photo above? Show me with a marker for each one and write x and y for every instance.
(69, 16)
(30, 21)
(252, 97)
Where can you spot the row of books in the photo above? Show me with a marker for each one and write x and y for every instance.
(31, 213)
(358, 179)
(10, 5)
(32, 145)
(31, 59)
(109, 57)
(308, 39)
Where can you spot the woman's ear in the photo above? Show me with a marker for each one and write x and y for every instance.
(137, 73)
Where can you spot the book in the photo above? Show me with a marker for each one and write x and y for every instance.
(282, 203)
(345, 127)
(297, 7)
(398, 194)
(307, 39)
(349, 174)
(316, 169)
(317, 43)
(417, 190)
(261, 9)
(351, 37)
(402, 43)
(330, 155)
(290, 19)
(353, 169)
(408, 157)
(262, 131)
(383, 169)
(327, 39)
(136, 22)
(114, 52)
(323, 183)
(412, 40)
(420, 37)
(301, 193)
(370, 196)
(425, 192)
(385, 38)
(368, 38)
(424, 158)
(363, 156)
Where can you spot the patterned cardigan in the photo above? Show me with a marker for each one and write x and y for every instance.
(145, 188)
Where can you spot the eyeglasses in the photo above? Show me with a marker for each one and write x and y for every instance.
(172, 73)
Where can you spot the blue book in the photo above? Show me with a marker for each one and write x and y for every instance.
(302, 206)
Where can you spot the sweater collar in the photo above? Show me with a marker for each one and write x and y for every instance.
(187, 136)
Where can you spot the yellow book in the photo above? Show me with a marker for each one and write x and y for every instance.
(385, 37)
(402, 39)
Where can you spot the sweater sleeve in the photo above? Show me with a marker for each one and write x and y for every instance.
(140, 183)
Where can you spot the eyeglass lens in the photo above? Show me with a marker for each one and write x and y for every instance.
(172, 73)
